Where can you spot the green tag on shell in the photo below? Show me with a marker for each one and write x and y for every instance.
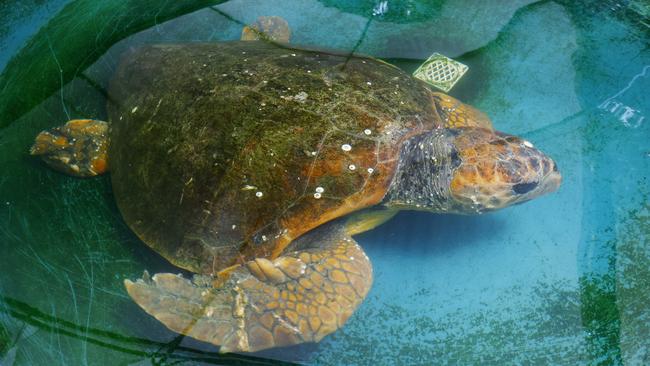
(441, 72)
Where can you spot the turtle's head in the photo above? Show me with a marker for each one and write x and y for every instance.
(470, 170)
(497, 170)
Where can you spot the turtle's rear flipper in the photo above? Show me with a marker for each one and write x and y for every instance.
(272, 28)
(302, 296)
(77, 148)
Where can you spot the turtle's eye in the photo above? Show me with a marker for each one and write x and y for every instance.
(523, 188)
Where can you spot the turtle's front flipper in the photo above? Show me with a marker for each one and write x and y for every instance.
(307, 293)
(270, 27)
(456, 114)
(77, 148)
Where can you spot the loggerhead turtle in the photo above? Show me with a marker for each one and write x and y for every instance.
(239, 162)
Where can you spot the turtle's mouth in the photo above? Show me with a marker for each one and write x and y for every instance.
(548, 184)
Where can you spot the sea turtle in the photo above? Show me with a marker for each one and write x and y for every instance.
(252, 164)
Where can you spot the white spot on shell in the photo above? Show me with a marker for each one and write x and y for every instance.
(346, 147)
(317, 195)
(209, 311)
(234, 227)
(320, 189)
(352, 167)
(369, 83)
(367, 131)
(371, 170)
(259, 194)
(264, 238)
(134, 109)
(528, 144)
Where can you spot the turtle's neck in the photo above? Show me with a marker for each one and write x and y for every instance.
(424, 172)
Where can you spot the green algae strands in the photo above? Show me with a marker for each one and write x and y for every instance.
(71, 41)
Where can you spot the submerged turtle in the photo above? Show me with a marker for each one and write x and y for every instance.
(238, 161)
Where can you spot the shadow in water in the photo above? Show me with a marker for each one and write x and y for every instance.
(431, 234)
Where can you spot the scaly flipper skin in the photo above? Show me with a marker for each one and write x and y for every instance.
(77, 148)
(267, 27)
(455, 114)
(302, 296)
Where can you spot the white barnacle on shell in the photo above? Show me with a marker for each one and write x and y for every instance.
(209, 311)
(320, 189)
(259, 194)
(352, 167)
(346, 147)
(317, 195)
(528, 144)
(367, 131)
(371, 170)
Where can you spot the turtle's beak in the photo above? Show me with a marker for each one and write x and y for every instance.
(543, 180)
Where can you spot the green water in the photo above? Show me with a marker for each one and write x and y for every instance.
(561, 280)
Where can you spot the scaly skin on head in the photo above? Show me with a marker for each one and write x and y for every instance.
(469, 170)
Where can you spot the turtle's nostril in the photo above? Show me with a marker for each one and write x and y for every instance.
(523, 188)
(555, 169)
